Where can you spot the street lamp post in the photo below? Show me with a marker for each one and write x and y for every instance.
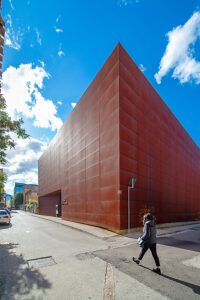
(133, 181)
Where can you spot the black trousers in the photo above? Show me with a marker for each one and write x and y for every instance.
(152, 247)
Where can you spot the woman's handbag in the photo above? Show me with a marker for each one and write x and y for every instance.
(140, 242)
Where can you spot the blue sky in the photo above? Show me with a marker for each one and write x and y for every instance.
(54, 49)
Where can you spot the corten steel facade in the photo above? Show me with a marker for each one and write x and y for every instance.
(121, 129)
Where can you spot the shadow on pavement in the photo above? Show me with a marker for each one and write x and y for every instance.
(183, 244)
(5, 226)
(16, 278)
(183, 285)
(187, 241)
(194, 287)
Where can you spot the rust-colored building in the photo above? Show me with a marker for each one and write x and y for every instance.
(120, 129)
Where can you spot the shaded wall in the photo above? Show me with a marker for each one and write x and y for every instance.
(47, 204)
(156, 149)
(83, 158)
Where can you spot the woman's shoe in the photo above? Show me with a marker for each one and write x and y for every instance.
(157, 270)
(136, 260)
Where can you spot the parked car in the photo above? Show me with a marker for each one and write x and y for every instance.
(8, 210)
(4, 216)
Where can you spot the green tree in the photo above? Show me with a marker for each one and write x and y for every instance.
(18, 199)
(8, 126)
(3, 178)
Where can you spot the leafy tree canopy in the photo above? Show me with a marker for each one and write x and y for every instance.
(3, 178)
(8, 126)
(18, 199)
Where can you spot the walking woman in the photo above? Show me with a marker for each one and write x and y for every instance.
(148, 241)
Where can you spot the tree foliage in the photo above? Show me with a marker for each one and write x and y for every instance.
(18, 199)
(8, 126)
(3, 178)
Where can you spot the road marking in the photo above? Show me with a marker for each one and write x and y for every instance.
(109, 285)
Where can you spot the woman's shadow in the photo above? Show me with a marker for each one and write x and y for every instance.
(194, 287)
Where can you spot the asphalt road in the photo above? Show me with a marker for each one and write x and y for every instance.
(40, 259)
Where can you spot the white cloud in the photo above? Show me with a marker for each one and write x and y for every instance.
(22, 163)
(44, 112)
(125, 2)
(61, 53)
(142, 68)
(58, 18)
(58, 30)
(59, 102)
(73, 104)
(11, 5)
(13, 38)
(14, 35)
(21, 88)
(179, 55)
(41, 62)
(38, 37)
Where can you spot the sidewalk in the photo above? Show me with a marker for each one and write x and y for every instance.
(93, 230)
(162, 229)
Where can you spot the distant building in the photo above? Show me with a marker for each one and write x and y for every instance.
(30, 195)
(19, 187)
(8, 200)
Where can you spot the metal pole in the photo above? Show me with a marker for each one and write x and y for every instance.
(129, 223)
(133, 181)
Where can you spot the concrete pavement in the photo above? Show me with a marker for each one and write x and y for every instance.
(162, 229)
(93, 230)
(92, 263)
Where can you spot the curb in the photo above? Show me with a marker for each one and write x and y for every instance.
(102, 234)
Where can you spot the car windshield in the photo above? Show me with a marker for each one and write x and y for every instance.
(3, 213)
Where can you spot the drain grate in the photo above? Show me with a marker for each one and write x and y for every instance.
(41, 262)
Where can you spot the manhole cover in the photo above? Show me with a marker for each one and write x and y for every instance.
(41, 262)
